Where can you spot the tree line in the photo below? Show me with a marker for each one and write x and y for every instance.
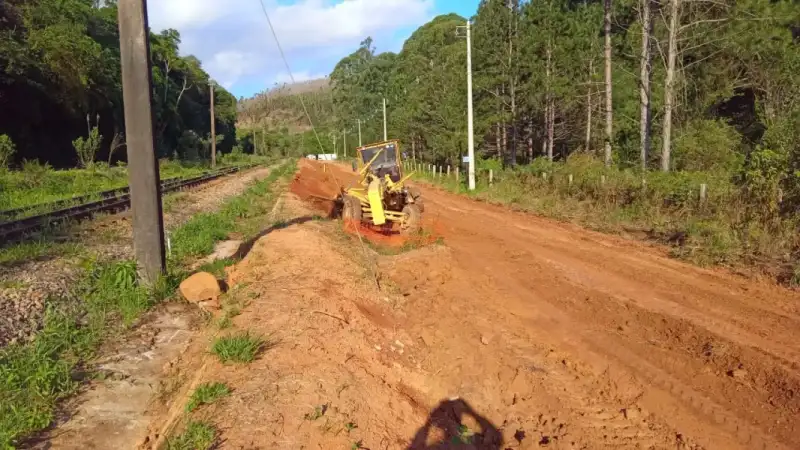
(686, 85)
(61, 88)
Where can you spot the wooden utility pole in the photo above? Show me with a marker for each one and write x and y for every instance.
(137, 94)
(213, 128)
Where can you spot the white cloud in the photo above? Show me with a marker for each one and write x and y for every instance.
(233, 40)
(228, 66)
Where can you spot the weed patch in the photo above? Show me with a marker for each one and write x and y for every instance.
(238, 348)
(206, 394)
(196, 436)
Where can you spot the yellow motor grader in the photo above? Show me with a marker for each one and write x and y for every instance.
(381, 197)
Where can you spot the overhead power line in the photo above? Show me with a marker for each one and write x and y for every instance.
(291, 76)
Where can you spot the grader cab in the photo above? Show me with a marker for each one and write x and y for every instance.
(382, 197)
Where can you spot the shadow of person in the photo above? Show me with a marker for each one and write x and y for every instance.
(455, 425)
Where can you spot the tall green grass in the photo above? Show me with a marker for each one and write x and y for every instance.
(35, 375)
(38, 184)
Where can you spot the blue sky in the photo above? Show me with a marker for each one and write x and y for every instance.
(232, 37)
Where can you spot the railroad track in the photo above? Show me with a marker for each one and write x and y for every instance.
(13, 230)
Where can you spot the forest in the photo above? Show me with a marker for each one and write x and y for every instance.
(61, 89)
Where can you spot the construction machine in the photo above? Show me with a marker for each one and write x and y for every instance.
(381, 196)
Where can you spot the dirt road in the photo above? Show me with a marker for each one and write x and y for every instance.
(516, 332)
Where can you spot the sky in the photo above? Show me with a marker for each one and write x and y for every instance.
(233, 40)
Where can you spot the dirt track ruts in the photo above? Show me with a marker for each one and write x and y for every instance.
(709, 354)
(529, 332)
(712, 355)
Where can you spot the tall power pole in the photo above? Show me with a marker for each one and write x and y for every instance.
(255, 142)
(213, 128)
(359, 132)
(344, 138)
(470, 131)
(385, 138)
(137, 95)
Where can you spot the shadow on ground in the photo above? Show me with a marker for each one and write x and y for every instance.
(447, 426)
(245, 248)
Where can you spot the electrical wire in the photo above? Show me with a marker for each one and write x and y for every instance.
(291, 76)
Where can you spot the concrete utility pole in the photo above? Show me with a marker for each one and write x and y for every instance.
(255, 142)
(137, 93)
(359, 132)
(385, 138)
(470, 130)
(213, 128)
(344, 138)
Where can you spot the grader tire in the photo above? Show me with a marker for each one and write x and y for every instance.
(351, 210)
(412, 219)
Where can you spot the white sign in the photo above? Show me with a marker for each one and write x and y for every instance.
(465, 159)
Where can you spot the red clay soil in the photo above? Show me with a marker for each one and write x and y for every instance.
(711, 355)
(517, 333)
(315, 184)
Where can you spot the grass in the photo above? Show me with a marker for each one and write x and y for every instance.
(242, 347)
(38, 184)
(36, 375)
(196, 436)
(217, 268)
(225, 322)
(39, 249)
(242, 214)
(206, 394)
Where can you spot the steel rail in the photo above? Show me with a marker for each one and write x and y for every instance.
(110, 201)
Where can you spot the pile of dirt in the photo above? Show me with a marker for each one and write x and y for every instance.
(317, 185)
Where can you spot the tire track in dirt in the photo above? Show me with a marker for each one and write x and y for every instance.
(586, 283)
(556, 337)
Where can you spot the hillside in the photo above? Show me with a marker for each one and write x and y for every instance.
(280, 105)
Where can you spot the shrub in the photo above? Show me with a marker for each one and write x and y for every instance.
(7, 150)
(87, 149)
(708, 145)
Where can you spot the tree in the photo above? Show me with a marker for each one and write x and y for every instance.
(646, 17)
(609, 99)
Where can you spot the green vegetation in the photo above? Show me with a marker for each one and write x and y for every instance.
(242, 214)
(34, 376)
(242, 347)
(196, 436)
(61, 85)
(37, 184)
(7, 150)
(206, 394)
